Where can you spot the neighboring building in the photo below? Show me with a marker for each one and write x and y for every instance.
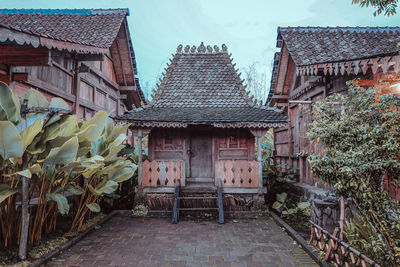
(315, 62)
(84, 56)
(202, 127)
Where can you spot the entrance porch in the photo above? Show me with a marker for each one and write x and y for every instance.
(200, 155)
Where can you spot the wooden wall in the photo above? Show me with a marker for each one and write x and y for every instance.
(96, 88)
(234, 144)
(227, 144)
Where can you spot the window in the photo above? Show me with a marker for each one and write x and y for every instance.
(88, 114)
(81, 112)
(113, 106)
(168, 139)
(100, 99)
(121, 109)
(233, 141)
(86, 91)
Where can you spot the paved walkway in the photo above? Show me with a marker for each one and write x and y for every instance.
(128, 241)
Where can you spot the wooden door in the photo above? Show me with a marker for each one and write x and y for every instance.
(200, 155)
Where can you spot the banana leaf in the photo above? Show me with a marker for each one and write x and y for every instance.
(96, 124)
(35, 99)
(30, 133)
(62, 202)
(11, 143)
(9, 105)
(64, 154)
(93, 207)
(6, 191)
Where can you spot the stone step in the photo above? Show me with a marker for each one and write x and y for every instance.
(200, 180)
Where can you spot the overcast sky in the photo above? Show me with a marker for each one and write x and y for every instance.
(247, 27)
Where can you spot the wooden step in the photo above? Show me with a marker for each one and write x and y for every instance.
(200, 180)
(199, 188)
(195, 188)
(198, 197)
(194, 209)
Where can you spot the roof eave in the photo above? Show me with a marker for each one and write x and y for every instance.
(8, 34)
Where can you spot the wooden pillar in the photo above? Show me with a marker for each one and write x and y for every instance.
(76, 86)
(140, 172)
(259, 161)
(290, 141)
(23, 242)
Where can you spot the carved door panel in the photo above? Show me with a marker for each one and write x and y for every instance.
(200, 156)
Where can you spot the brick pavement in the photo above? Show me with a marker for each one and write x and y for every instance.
(128, 241)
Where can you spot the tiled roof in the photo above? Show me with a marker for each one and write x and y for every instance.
(201, 79)
(93, 27)
(202, 85)
(205, 114)
(314, 45)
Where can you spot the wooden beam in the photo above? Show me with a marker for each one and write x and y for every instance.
(140, 163)
(259, 160)
(20, 77)
(123, 96)
(280, 97)
(86, 68)
(309, 102)
(24, 56)
(83, 69)
(49, 88)
(90, 57)
(128, 88)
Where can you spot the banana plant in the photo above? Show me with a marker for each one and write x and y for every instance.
(64, 157)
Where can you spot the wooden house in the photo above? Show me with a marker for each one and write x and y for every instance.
(202, 127)
(84, 56)
(315, 62)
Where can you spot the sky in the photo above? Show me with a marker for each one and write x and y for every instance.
(247, 27)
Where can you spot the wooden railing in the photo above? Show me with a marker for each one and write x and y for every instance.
(337, 252)
(237, 173)
(163, 173)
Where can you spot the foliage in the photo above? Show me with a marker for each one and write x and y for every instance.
(64, 158)
(256, 81)
(282, 207)
(388, 7)
(140, 210)
(361, 146)
(361, 236)
(273, 175)
(267, 148)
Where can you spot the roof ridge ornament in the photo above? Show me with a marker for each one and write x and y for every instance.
(209, 49)
(216, 48)
(179, 49)
(193, 49)
(187, 49)
(224, 48)
(201, 49)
